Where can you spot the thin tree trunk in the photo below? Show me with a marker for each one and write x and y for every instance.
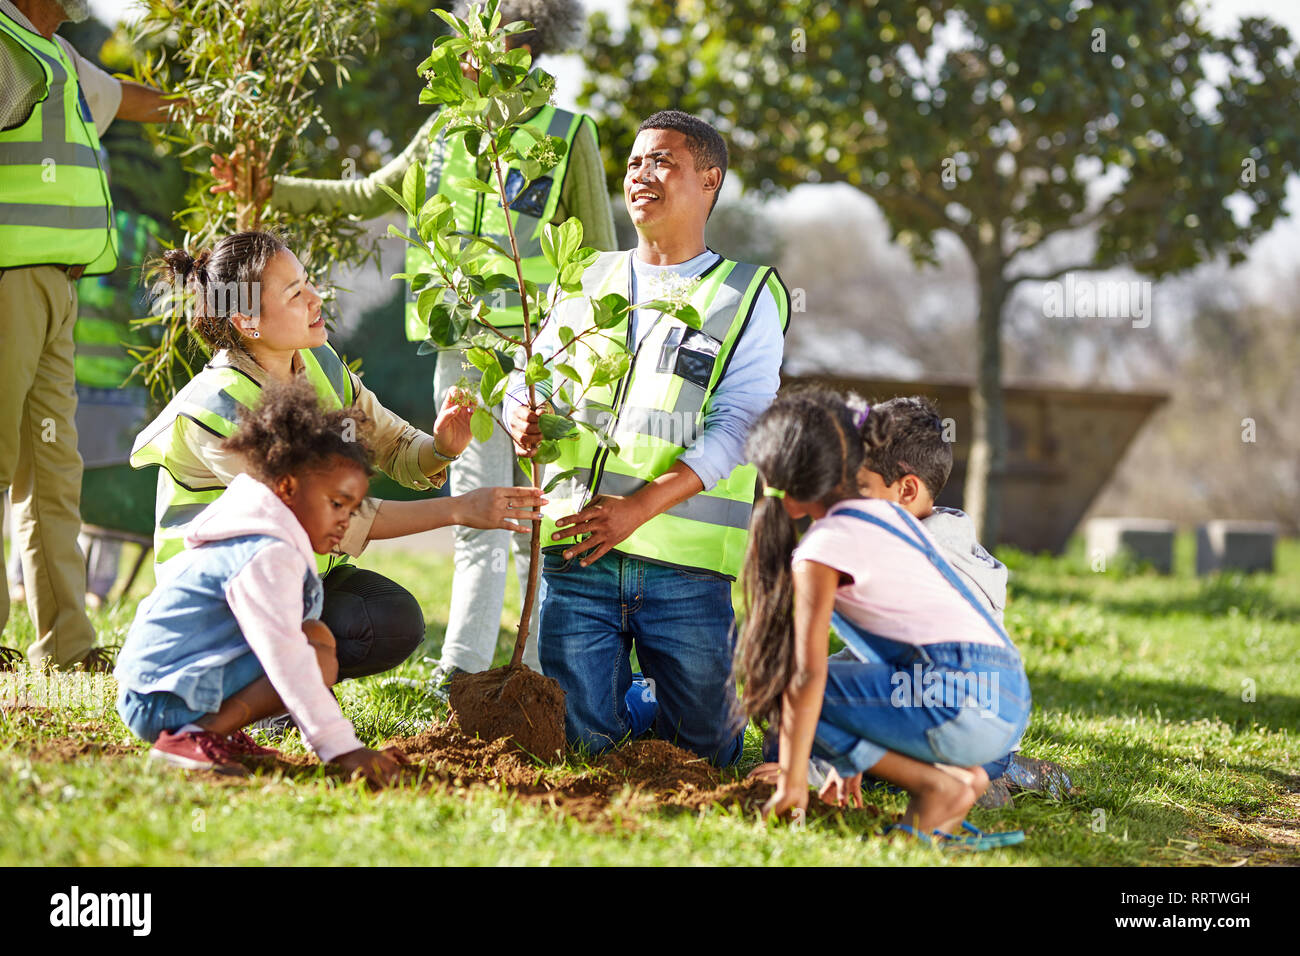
(530, 592)
(988, 453)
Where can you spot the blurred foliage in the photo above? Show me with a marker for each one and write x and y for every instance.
(374, 116)
(1015, 96)
(989, 120)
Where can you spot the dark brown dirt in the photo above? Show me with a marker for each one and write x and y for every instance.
(512, 702)
(642, 777)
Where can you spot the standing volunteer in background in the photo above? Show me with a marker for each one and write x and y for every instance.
(56, 224)
(106, 304)
(643, 542)
(576, 187)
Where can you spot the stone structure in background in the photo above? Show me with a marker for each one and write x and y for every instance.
(1235, 546)
(1150, 540)
(1063, 446)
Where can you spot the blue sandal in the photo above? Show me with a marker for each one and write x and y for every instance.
(978, 841)
(987, 841)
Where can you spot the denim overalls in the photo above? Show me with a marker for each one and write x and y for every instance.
(955, 702)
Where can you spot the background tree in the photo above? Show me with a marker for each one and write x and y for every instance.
(1008, 124)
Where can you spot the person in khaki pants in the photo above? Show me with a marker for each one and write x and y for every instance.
(56, 103)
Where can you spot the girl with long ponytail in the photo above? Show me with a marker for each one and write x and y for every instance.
(935, 687)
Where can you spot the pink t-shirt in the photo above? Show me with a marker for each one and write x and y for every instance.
(895, 592)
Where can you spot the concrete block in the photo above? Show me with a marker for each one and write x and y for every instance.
(1146, 539)
(1235, 546)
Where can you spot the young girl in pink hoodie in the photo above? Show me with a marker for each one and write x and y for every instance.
(230, 634)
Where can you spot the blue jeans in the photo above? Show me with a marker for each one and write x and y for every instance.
(683, 627)
(954, 703)
(148, 715)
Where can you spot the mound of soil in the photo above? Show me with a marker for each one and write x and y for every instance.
(512, 702)
(643, 776)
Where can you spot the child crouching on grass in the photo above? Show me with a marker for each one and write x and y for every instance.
(936, 688)
(907, 460)
(229, 635)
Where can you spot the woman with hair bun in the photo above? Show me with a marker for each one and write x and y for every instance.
(256, 310)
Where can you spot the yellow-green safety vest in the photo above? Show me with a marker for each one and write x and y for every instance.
(55, 207)
(212, 400)
(483, 215)
(659, 408)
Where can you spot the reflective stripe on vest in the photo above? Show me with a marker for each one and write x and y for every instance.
(659, 409)
(54, 200)
(213, 400)
(483, 215)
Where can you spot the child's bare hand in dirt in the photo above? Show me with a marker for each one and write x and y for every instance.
(839, 792)
(451, 431)
(767, 773)
(378, 767)
(789, 803)
(489, 508)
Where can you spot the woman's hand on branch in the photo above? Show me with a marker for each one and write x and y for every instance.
(489, 508)
(451, 431)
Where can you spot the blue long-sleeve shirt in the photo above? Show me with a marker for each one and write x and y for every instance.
(746, 389)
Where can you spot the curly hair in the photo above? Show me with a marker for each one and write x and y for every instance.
(288, 433)
(223, 281)
(904, 436)
(556, 23)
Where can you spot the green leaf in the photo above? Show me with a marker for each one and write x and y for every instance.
(413, 188)
(608, 310)
(492, 377)
(536, 370)
(690, 316)
(610, 368)
(568, 371)
(400, 200)
(505, 360)
(566, 336)
(549, 237)
(570, 238)
(481, 359)
(570, 276)
(481, 424)
(562, 476)
(547, 452)
(476, 184)
(554, 426)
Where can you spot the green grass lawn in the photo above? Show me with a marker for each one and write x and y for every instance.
(1174, 702)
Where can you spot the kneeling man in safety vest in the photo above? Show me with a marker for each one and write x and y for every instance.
(641, 547)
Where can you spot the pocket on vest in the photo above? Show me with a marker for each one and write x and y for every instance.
(530, 201)
(690, 354)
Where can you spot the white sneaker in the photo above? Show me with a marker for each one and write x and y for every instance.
(441, 677)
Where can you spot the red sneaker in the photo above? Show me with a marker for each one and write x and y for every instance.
(241, 743)
(197, 751)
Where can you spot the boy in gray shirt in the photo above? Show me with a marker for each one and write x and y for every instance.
(908, 462)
